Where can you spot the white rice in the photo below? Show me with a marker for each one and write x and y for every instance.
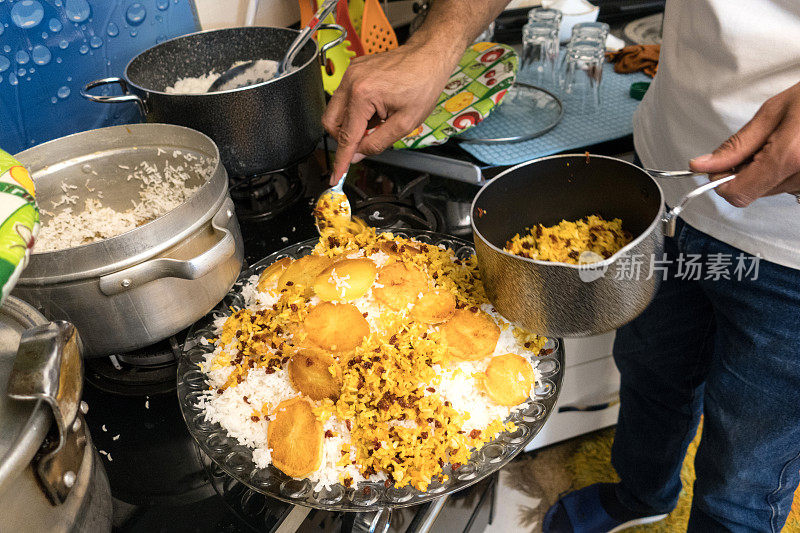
(162, 189)
(261, 70)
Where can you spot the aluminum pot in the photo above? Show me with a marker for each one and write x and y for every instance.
(559, 299)
(51, 478)
(146, 284)
(258, 128)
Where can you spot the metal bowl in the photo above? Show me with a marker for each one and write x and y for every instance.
(236, 460)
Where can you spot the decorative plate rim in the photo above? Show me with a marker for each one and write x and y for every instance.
(236, 459)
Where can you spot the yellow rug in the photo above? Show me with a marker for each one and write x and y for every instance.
(591, 463)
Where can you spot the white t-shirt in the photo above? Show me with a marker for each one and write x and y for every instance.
(720, 60)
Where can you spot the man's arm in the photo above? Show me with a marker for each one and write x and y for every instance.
(765, 153)
(398, 89)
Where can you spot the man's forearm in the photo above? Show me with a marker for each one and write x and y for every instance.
(451, 25)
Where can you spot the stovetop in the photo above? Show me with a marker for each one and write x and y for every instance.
(159, 479)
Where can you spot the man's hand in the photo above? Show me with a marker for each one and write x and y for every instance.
(397, 89)
(765, 153)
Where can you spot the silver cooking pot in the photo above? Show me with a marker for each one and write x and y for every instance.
(142, 286)
(560, 299)
(51, 478)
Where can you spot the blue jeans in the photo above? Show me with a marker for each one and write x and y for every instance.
(726, 349)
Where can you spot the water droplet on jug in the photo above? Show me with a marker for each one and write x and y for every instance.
(6, 49)
(135, 14)
(133, 33)
(63, 44)
(77, 10)
(162, 4)
(31, 70)
(44, 35)
(27, 13)
(69, 78)
(84, 48)
(95, 42)
(1, 79)
(63, 92)
(41, 55)
(12, 79)
(55, 25)
(22, 57)
(112, 30)
(4, 63)
(21, 72)
(53, 100)
(58, 60)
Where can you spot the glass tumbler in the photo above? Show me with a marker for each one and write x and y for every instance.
(545, 15)
(601, 27)
(583, 74)
(540, 52)
(592, 34)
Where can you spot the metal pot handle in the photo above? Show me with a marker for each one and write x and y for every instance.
(194, 268)
(671, 216)
(336, 42)
(49, 367)
(126, 95)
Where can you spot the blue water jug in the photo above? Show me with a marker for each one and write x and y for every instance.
(49, 49)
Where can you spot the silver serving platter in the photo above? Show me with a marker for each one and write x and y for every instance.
(236, 459)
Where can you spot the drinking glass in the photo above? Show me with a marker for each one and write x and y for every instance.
(545, 15)
(589, 33)
(595, 26)
(540, 52)
(583, 74)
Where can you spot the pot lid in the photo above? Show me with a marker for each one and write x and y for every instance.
(23, 424)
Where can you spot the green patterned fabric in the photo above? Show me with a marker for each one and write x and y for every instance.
(479, 83)
(19, 221)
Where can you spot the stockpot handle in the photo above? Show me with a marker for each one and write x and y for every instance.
(194, 268)
(48, 367)
(126, 95)
(336, 42)
(671, 216)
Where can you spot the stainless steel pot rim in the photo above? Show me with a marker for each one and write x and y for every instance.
(220, 30)
(63, 254)
(599, 264)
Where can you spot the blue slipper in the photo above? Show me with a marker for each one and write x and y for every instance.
(581, 511)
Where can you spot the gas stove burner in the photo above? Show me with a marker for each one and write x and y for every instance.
(264, 196)
(405, 209)
(149, 370)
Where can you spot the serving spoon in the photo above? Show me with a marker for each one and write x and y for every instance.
(336, 190)
(302, 38)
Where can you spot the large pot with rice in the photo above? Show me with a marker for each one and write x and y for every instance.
(260, 127)
(138, 238)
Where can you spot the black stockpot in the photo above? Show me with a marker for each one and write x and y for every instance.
(258, 128)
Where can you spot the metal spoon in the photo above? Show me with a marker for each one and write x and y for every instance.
(337, 189)
(302, 38)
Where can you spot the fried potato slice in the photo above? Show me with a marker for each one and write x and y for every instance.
(272, 273)
(346, 280)
(434, 307)
(508, 379)
(295, 438)
(336, 327)
(470, 335)
(316, 374)
(304, 271)
(399, 285)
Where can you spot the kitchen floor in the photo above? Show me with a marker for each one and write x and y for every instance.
(530, 484)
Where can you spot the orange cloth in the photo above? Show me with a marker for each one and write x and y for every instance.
(636, 57)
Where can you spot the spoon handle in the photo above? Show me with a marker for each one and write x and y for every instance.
(305, 34)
